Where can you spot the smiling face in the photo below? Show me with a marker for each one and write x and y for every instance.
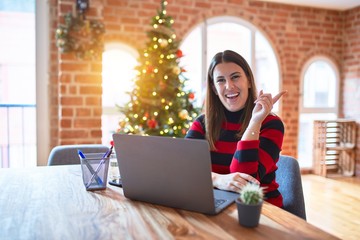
(231, 85)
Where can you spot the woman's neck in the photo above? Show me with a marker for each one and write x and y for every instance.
(233, 117)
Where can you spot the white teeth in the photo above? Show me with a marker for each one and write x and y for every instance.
(232, 95)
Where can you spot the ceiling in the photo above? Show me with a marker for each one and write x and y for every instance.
(326, 4)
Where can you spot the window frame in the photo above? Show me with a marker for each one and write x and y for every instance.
(335, 109)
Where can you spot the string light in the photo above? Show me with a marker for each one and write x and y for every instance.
(154, 93)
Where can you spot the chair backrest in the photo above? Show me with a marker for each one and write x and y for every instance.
(68, 154)
(290, 186)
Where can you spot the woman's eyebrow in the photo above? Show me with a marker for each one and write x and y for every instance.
(232, 74)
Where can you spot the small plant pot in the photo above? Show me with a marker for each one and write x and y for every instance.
(248, 215)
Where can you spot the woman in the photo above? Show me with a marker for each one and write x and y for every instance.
(245, 138)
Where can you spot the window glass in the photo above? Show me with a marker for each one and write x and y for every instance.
(266, 67)
(17, 84)
(191, 62)
(118, 72)
(319, 85)
(228, 36)
(119, 62)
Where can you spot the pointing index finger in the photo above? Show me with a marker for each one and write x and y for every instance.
(278, 96)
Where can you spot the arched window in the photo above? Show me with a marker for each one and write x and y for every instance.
(119, 61)
(228, 33)
(318, 101)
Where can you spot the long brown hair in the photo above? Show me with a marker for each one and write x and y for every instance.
(214, 109)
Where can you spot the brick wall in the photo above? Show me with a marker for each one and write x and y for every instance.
(351, 72)
(296, 33)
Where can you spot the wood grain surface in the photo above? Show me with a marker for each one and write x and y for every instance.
(52, 203)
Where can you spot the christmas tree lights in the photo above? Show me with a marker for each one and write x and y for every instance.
(159, 104)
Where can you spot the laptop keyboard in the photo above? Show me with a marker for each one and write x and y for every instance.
(218, 202)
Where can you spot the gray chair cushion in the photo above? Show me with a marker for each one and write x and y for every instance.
(290, 186)
(68, 154)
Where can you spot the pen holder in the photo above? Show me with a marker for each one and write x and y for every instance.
(94, 170)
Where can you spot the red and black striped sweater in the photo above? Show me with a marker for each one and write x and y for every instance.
(257, 158)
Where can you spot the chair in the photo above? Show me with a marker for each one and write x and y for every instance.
(290, 186)
(68, 154)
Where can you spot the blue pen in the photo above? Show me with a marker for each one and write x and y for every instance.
(81, 154)
(106, 155)
(98, 179)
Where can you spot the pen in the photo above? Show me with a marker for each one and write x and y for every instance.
(82, 156)
(106, 155)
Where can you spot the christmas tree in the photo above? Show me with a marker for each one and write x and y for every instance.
(159, 103)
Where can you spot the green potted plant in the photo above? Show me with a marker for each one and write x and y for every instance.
(249, 204)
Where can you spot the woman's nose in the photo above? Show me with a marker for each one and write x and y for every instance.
(229, 84)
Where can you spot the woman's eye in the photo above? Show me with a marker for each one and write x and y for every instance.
(219, 80)
(235, 77)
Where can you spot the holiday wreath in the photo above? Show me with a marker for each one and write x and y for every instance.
(80, 36)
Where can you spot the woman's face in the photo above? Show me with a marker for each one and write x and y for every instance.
(231, 85)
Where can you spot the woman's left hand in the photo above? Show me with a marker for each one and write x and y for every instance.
(263, 105)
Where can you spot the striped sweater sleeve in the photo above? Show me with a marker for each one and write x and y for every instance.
(258, 158)
(197, 129)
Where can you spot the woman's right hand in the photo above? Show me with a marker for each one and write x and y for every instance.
(233, 181)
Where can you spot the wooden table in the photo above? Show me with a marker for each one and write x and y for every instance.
(52, 203)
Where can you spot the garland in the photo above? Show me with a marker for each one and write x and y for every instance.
(80, 36)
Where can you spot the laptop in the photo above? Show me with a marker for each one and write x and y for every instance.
(173, 172)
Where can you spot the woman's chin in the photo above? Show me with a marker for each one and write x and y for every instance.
(234, 108)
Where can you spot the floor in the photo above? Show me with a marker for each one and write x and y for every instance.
(333, 204)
